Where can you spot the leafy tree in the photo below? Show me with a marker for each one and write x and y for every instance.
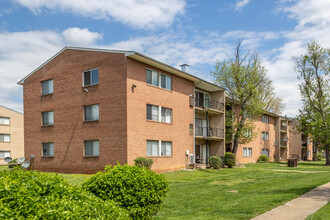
(245, 79)
(313, 72)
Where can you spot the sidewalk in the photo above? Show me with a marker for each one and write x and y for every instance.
(301, 207)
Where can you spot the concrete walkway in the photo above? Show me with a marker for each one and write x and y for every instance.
(301, 207)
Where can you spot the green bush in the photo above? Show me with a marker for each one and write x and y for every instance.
(263, 159)
(143, 162)
(33, 195)
(215, 162)
(229, 159)
(11, 162)
(134, 188)
(319, 156)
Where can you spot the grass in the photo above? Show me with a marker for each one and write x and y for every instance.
(321, 214)
(240, 193)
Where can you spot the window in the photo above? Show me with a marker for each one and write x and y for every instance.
(165, 82)
(202, 99)
(47, 118)
(4, 121)
(265, 152)
(4, 154)
(159, 148)
(247, 133)
(4, 137)
(265, 119)
(265, 136)
(48, 149)
(247, 152)
(166, 148)
(158, 113)
(274, 142)
(309, 154)
(91, 112)
(47, 87)
(91, 77)
(159, 79)
(92, 148)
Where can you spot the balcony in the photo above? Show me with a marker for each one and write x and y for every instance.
(284, 144)
(212, 105)
(209, 133)
(284, 128)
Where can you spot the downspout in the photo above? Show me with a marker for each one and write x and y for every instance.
(207, 135)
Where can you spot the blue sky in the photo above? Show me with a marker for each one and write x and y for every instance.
(173, 31)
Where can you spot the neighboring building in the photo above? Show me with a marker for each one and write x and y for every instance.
(11, 134)
(86, 108)
(275, 137)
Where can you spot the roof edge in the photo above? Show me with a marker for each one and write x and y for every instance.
(11, 109)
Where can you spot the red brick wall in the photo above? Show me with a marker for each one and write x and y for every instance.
(67, 101)
(258, 144)
(139, 129)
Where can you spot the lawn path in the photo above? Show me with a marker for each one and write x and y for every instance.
(301, 207)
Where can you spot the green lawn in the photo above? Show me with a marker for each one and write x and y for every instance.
(322, 214)
(239, 193)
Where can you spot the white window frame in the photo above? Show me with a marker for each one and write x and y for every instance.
(247, 133)
(98, 150)
(5, 154)
(49, 144)
(247, 152)
(265, 136)
(6, 140)
(98, 118)
(42, 83)
(159, 149)
(91, 77)
(5, 119)
(159, 83)
(42, 118)
(196, 90)
(264, 149)
(159, 113)
(265, 119)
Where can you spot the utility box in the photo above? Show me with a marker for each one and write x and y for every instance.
(292, 162)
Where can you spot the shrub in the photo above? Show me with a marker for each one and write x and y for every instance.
(134, 188)
(263, 159)
(13, 161)
(143, 162)
(34, 195)
(319, 156)
(229, 159)
(215, 162)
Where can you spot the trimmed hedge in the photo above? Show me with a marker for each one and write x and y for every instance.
(263, 159)
(134, 188)
(215, 162)
(229, 159)
(34, 195)
(143, 162)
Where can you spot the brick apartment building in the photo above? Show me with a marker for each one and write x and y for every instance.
(86, 108)
(11, 134)
(276, 137)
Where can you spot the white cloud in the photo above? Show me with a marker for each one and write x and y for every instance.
(240, 4)
(135, 13)
(80, 37)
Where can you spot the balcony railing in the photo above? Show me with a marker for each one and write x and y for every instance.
(209, 103)
(209, 132)
(284, 127)
(283, 143)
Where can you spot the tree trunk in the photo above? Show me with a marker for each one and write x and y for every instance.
(327, 155)
(314, 150)
(235, 146)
